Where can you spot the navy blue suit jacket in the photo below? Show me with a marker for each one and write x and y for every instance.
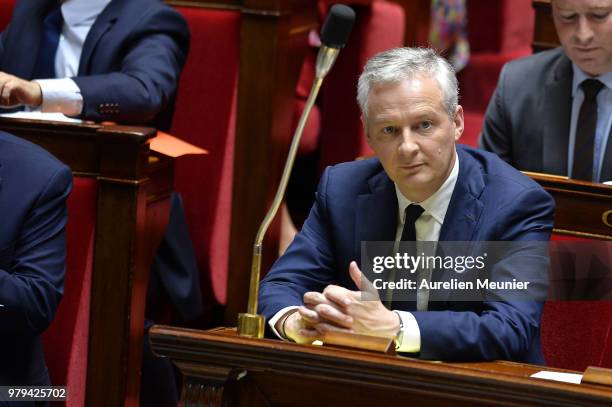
(33, 191)
(130, 64)
(357, 202)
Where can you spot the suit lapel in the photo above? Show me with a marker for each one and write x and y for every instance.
(373, 221)
(464, 208)
(557, 116)
(103, 23)
(462, 215)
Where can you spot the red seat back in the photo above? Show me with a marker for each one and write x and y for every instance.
(66, 340)
(6, 11)
(205, 116)
(379, 26)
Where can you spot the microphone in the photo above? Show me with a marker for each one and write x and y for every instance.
(334, 36)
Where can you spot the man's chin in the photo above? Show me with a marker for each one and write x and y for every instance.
(591, 66)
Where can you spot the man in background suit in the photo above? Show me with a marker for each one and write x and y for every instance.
(422, 187)
(552, 112)
(118, 61)
(34, 187)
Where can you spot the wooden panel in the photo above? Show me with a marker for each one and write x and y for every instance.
(584, 209)
(544, 35)
(271, 372)
(132, 210)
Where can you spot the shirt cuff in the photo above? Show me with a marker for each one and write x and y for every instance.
(410, 341)
(61, 96)
(272, 322)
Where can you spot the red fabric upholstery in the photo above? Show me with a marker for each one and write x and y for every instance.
(6, 11)
(377, 28)
(472, 127)
(499, 26)
(479, 78)
(205, 116)
(576, 334)
(498, 31)
(66, 340)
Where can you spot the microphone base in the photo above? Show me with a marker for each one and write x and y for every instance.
(251, 325)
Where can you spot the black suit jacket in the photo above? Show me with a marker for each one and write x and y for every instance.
(528, 118)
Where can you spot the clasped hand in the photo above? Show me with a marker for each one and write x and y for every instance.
(15, 92)
(340, 309)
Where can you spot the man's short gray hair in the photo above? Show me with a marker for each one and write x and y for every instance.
(398, 64)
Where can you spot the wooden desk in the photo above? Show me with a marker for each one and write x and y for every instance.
(133, 187)
(584, 209)
(270, 372)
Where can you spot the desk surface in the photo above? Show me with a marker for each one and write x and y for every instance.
(289, 374)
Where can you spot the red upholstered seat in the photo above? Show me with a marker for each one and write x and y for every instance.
(498, 31)
(379, 26)
(576, 334)
(335, 126)
(66, 340)
(205, 116)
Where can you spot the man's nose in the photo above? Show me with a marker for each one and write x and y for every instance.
(408, 144)
(584, 33)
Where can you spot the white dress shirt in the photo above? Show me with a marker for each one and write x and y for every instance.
(62, 95)
(428, 227)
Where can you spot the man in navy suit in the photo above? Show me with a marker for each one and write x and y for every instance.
(33, 191)
(420, 187)
(116, 60)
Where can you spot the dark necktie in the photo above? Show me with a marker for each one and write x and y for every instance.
(49, 40)
(412, 213)
(584, 145)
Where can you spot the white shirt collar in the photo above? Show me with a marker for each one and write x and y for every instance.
(580, 76)
(76, 12)
(437, 204)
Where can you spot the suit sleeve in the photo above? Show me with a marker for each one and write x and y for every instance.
(496, 133)
(31, 288)
(307, 265)
(148, 76)
(498, 329)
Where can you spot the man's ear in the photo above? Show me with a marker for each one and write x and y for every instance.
(459, 122)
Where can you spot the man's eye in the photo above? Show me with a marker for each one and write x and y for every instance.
(600, 16)
(568, 17)
(426, 125)
(388, 130)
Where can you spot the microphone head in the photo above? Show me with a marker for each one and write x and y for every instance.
(337, 26)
